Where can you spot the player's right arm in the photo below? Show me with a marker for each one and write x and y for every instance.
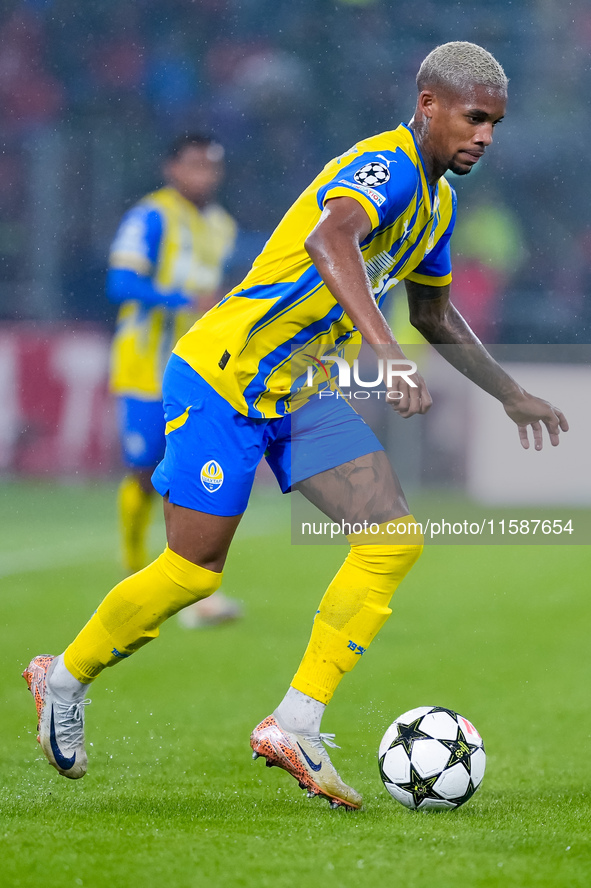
(333, 246)
(132, 260)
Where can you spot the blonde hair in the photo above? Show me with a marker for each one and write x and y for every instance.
(460, 65)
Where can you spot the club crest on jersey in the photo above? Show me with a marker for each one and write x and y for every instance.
(372, 174)
(212, 476)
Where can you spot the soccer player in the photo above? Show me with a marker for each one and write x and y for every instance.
(165, 267)
(378, 212)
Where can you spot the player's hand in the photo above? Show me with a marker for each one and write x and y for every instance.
(527, 410)
(406, 400)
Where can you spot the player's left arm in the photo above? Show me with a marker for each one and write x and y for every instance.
(437, 319)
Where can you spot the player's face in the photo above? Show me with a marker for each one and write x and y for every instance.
(461, 126)
(196, 172)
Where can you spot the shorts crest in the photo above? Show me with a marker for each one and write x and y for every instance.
(212, 475)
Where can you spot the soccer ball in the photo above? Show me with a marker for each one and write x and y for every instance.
(432, 758)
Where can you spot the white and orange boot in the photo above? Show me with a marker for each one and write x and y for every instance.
(304, 757)
(60, 724)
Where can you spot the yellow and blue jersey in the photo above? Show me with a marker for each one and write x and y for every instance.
(254, 347)
(166, 252)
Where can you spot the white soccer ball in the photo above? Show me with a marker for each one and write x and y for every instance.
(432, 758)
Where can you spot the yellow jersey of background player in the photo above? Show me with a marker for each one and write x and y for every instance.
(166, 266)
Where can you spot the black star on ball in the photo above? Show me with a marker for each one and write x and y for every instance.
(420, 788)
(460, 751)
(407, 734)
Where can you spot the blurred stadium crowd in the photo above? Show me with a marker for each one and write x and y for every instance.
(90, 94)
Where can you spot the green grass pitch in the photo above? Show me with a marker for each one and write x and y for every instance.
(172, 797)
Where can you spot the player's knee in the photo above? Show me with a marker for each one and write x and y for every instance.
(391, 535)
(192, 581)
(387, 557)
(391, 562)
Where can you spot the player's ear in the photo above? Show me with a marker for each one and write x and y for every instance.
(426, 102)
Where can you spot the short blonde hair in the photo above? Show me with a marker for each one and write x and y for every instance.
(460, 65)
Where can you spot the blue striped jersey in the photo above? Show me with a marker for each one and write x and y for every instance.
(253, 347)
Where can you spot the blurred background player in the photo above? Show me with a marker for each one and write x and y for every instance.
(165, 269)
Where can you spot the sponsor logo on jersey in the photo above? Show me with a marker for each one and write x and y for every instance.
(212, 476)
(374, 195)
(378, 268)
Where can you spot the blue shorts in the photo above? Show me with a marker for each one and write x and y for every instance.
(141, 432)
(212, 451)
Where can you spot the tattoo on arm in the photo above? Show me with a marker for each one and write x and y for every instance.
(443, 326)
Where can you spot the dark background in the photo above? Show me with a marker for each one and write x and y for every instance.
(91, 93)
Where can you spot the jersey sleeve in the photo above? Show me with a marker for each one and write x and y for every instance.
(435, 268)
(136, 244)
(382, 183)
(124, 284)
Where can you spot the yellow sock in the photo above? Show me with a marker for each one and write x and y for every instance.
(353, 610)
(131, 613)
(135, 508)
